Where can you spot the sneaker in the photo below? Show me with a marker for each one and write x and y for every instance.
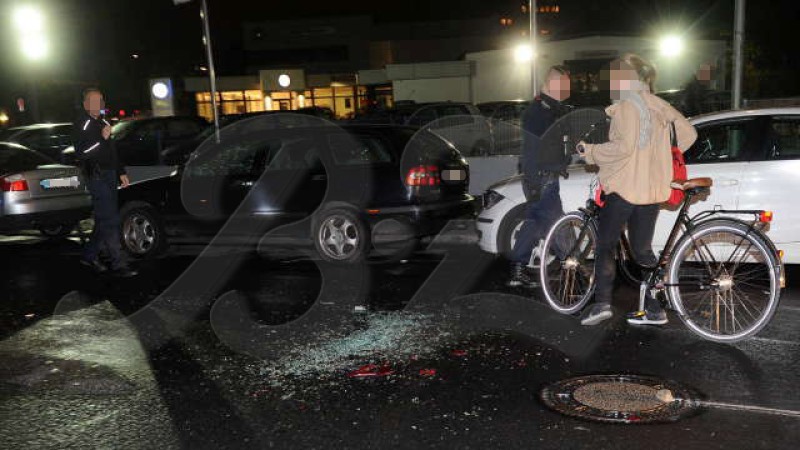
(95, 265)
(521, 277)
(597, 314)
(648, 318)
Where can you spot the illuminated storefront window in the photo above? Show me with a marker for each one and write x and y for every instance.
(230, 102)
(345, 101)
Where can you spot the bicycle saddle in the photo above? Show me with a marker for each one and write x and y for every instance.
(694, 183)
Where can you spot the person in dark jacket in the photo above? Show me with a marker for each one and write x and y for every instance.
(541, 164)
(104, 173)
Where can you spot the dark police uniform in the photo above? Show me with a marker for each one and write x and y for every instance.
(102, 169)
(541, 163)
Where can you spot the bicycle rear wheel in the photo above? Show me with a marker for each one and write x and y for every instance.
(724, 281)
(566, 265)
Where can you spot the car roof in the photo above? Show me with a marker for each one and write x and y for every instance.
(734, 114)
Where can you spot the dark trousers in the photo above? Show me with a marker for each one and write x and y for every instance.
(641, 222)
(105, 238)
(539, 217)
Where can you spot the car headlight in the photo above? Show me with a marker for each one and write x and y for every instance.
(491, 198)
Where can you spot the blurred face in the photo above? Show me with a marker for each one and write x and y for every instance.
(558, 86)
(622, 80)
(94, 103)
(705, 72)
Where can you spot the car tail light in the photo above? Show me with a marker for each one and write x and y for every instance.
(14, 185)
(423, 176)
(765, 217)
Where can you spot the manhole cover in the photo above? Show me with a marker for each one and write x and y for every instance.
(622, 399)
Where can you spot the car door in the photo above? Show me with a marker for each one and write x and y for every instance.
(774, 183)
(723, 151)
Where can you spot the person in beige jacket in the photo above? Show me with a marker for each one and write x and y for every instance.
(635, 169)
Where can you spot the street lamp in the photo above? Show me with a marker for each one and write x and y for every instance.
(523, 53)
(29, 24)
(671, 46)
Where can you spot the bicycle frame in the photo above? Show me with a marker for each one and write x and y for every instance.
(684, 223)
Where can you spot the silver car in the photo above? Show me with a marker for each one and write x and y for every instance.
(39, 194)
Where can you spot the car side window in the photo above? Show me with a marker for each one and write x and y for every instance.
(358, 150)
(182, 129)
(246, 157)
(150, 131)
(296, 154)
(423, 117)
(719, 142)
(783, 138)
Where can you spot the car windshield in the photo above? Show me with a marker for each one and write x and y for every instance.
(123, 129)
(15, 158)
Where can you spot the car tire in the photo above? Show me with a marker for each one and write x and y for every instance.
(508, 228)
(340, 236)
(143, 234)
(58, 230)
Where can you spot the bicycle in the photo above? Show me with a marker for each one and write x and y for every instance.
(723, 299)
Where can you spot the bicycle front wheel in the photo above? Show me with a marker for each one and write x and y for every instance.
(566, 265)
(724, 281)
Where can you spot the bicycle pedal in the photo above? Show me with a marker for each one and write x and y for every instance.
(635, 314)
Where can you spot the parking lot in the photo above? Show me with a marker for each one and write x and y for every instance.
(268, 361)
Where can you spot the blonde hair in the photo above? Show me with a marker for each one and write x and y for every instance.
(644, 69)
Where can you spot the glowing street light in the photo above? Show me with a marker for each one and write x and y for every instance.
(28, 20)
(671, 46)
(34, 48)
(523, 53)
(29, 23)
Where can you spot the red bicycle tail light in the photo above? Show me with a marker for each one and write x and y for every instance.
(14, 185)
(765, 217)
(423, 176)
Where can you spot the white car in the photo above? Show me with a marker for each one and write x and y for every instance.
(753, 157)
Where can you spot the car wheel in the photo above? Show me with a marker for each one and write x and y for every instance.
(509, 227)
(58, 230)
(340, 236)
(143, 234)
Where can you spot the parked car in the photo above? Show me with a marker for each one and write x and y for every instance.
(140, 142)
(50, 139)
(178, 154)
(460, 123)
(753, 157)
(39, 194)
(386, 182)
(505, 122)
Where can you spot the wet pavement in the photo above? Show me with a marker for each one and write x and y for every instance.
(236, 350)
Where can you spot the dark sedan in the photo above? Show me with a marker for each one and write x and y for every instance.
(50, 139)
(350, 189)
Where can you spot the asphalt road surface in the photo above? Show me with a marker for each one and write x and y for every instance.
(230, 349)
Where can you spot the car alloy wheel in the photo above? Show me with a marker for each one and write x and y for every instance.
(339, 237)
(139, 233)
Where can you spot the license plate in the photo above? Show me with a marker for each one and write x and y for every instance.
(56, 183)
(454, 175)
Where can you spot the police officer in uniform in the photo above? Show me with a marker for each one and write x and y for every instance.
(104, 173)
(541, 163)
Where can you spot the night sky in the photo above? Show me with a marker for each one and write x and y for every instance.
(93, 40)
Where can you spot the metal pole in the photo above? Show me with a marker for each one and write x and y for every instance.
(212, 73)
(533, 32)
(738, 58)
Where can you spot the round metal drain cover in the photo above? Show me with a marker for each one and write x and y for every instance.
(622, 399)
